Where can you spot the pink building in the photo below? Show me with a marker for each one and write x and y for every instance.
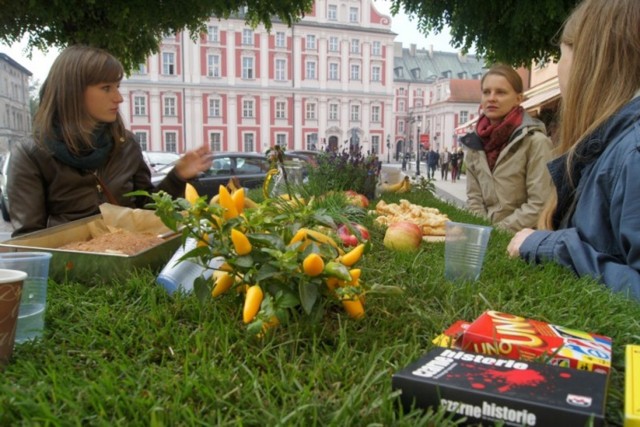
(331, 80)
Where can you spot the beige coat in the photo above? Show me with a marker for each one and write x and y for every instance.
(513, 196)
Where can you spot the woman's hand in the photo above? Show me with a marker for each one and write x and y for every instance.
(193, 162)
(514, 245)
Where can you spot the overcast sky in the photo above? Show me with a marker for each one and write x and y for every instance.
(40, 62)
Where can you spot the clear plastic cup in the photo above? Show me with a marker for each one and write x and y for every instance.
(465, 246)
(34, 291)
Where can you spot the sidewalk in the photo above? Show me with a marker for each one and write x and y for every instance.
(454, 193)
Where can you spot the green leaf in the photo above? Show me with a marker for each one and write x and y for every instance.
(308, 295)
(202, 288)
(245, 261)
(263, 239)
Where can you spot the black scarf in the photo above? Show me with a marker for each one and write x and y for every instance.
(587, 151)
(91, 158)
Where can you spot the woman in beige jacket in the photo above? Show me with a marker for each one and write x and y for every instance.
(507, 177)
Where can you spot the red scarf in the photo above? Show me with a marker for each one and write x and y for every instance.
(495, 137)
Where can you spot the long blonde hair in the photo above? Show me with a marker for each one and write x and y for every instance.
(604, 36)
(62, 111)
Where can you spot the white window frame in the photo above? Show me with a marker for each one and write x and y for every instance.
(139, 105)
(213, 65)
(464, 116)
(311, 70)
(280, 69)
(375, 144)
(281, 109)
(215, 141)
(375, 113)
(169, 104)
(355, 113)
(213, 34)
(355, 46)
(215, 107)
(281, 39)
(248, 68)
(332, 12)
(281, 139)
(354, 13)
(168, 64)
(355, 72)
(334, 109)
(247, 37)
(310, 110)
(334, 44)
(376, 73)
(143, 139)
(401, 126)
(334, 71)
(248, 108)
(376, 48)
(311, 42)
(171, 141)
(248, 142)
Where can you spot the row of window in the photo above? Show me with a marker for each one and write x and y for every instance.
(248, 141)
(248, 109)
(213, 31)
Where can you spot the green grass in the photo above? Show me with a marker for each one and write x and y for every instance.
(128, 354)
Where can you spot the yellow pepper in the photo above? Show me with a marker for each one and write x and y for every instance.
(353, 308)
(240, 242)
(313, 265)
(226, 202)
(222, 281)
(238, 199)
(252, 303)
(352, 256)
(190, 194)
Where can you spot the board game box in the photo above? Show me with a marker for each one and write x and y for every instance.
(490, 389)
(511, 336)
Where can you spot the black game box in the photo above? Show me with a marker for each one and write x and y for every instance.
(490, 389)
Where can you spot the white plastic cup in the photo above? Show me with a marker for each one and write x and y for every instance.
(34, 292)
(465, 246)
(181, 275)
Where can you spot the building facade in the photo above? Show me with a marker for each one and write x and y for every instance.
(15, 114)
(336, 79)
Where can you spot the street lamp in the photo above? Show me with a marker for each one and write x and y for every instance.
(418, 146)
(388, 148)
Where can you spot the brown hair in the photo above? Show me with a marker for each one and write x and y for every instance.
(604, 36)
(508, 73)
(62, 110)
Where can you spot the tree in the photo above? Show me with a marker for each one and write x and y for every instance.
(130, 29)
(511, 31)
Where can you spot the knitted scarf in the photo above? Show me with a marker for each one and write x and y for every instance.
(89, 159)
(495, 137)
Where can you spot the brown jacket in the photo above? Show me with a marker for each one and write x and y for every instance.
(513, 195)
(44, 192)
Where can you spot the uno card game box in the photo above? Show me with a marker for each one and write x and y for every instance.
(487, 389)
(515, 337)
(632, 386)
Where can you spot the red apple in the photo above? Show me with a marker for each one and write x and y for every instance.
(350, 239)
(357, 199)
(403, 236)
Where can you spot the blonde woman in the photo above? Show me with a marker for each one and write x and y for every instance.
(81, 155)
(593, 221)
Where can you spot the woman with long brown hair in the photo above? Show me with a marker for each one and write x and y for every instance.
(81, 155)
(593, 220)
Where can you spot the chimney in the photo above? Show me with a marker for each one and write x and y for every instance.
(430, 51)
(412, 49)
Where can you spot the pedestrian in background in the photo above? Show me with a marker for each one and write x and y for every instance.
(433, 158)
(454, 160)
(445, 157)
(507, 178)
(81, 155)
(591, 224)
(460, 162)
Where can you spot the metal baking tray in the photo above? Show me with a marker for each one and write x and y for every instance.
(88, 267)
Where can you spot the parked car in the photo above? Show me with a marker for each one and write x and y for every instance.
(249, 168)
(159, 159)
(4, 199)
